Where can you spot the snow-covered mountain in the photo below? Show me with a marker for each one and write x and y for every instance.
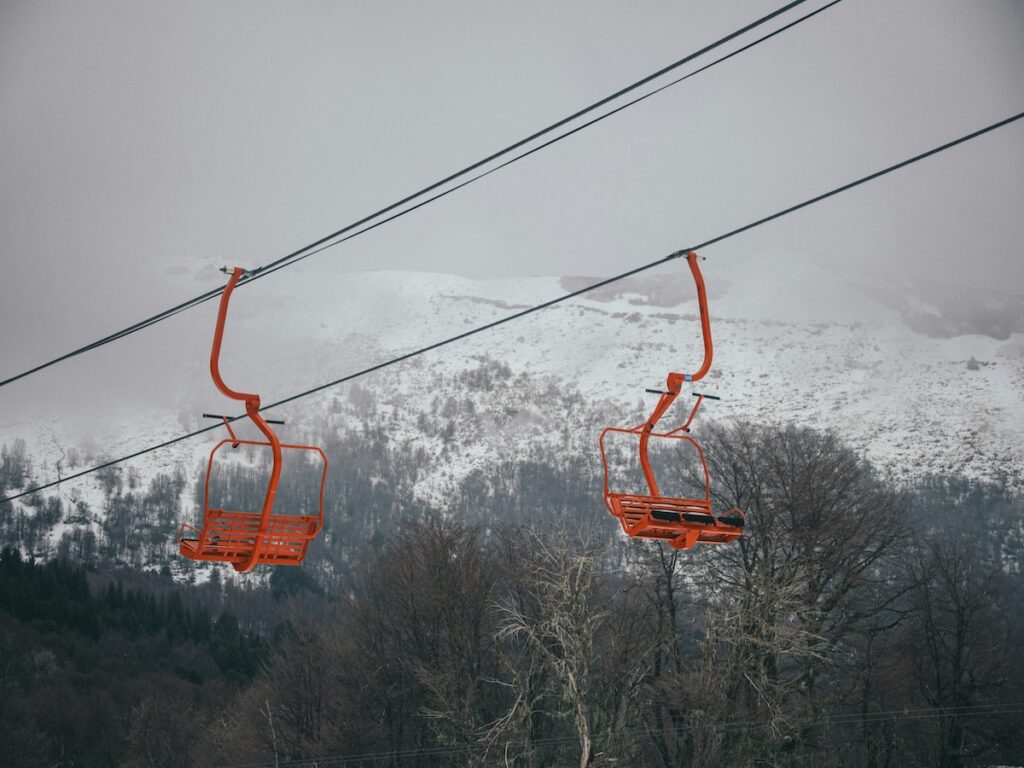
(794, 341)
(883, 365)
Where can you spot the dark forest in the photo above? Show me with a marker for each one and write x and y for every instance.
(854, 624)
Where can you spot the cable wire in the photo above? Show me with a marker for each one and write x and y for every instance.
(853, 718)
(546, 304)
(271, 269)
(323, 243)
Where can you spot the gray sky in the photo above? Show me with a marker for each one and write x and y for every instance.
(138, 136)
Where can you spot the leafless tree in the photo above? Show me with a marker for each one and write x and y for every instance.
(813, 569)
(960, 649)
(563, 618)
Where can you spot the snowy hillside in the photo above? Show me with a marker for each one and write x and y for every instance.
(794, 342)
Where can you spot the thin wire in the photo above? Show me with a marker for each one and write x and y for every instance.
(319, 245)
(546, 304)
(271, 269)
(846, 719)
(723, 725)
(553, 127)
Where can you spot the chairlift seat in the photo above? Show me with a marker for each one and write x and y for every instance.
(683, 522)
(247, 539)
(234, 537)
(229, 537)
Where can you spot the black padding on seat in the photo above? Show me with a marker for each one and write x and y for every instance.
(736, 521)
(665, 516)
(698, 517)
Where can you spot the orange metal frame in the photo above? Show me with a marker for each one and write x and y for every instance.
(248, 539)
(681, 521)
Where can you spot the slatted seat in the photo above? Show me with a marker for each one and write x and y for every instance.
(681, 522)
(231, 536)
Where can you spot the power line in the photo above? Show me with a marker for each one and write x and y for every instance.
(544, 305)
(516, 158)
(850, 719)
(325, 242)
(853, 718)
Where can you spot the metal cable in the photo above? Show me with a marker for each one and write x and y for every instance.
(546, 304)
(853, 718)
(323, 243)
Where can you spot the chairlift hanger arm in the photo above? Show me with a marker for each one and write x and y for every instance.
(674, 382)
(218, 338)
(675, 379)
(252, 410)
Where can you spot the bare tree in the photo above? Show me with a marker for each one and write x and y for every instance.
(424, 661)
(161, 729)
(813, 569)
(294, 708)
(960, 645)
(556, 617)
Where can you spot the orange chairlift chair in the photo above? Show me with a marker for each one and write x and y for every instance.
(682, 522)
(248, 539)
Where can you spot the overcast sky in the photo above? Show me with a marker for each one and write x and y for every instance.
(138, 138)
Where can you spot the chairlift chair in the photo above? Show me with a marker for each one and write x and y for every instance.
(248, 539)
(683, 522)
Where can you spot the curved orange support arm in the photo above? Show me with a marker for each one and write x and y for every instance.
(675, 381)
(252, 410)
(218, 337)
(705, 320)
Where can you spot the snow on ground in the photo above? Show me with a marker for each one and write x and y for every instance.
(794, 342)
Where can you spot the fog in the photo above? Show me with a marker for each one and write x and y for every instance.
(143, 144)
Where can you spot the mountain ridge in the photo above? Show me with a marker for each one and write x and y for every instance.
(794, 342)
